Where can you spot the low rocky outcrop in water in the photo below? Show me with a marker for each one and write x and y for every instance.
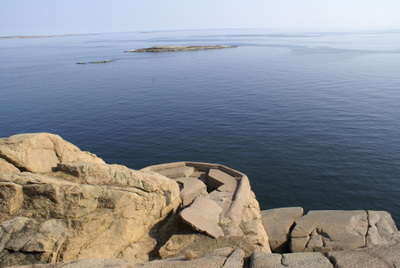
(63, 207)
(177, 48)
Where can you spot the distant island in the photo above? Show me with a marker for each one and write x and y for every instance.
(39, 36)
(177, 48)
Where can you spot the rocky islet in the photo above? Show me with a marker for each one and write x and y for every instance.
(63, 207)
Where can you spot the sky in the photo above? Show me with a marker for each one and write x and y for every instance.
(47, 17)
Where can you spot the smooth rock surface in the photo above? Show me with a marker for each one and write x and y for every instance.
(192, 188)
(203, 215)
(41, 152)
(291, 260)
(6, 167)
(222, 181)
(278, 223)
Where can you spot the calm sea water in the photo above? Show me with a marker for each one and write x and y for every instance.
(312, 118)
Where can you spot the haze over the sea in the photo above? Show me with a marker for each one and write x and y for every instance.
(49, 17)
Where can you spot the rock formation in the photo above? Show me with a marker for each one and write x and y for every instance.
(62, 207)
(228, 209)
(177, 48)
(75, 206)
(328, 230)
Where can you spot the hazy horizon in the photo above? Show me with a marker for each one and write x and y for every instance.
(49, 17)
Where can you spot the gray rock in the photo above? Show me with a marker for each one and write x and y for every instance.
(306, 260)
(235, 260)
(203, 215)
(291, 260)
(375, 257)
(266, 260)
(278, 222)
(330, 230)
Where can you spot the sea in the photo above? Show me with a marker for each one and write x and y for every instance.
(312, 117)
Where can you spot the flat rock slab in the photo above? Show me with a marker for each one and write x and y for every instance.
(291, 260)
(331, 230)
(203, 215)
(278, 222)
(374, 257)
(192, 188)
(221, 181)
(177, 48)
(177, 172)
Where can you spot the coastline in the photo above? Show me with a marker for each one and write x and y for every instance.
(41, 36)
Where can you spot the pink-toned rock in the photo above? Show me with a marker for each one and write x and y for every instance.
(203, 215)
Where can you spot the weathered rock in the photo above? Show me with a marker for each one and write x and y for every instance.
(41, 152)
(6, 167)
(381, 229)
(26, 241)
(86, 263)
(11, 198)
(374, 257)
(235, 260)
(192, 188)
(278, 223)
(343, 230)
(203, 215)
(213, 258)
(87, 210)
(291, 260)
(331, 230)
(176, 244)
(177, 48)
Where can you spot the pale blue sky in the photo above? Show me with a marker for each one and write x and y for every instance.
(35, 17)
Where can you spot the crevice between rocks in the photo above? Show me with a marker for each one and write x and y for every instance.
(368, 227)
(331, 259)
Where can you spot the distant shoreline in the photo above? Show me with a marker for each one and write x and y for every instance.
(40, 36)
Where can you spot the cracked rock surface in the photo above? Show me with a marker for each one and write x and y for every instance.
(342, 230)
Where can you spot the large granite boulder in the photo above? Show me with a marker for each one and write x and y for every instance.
(342, 230)
(278, 223)
(40, 152)
(80, 210)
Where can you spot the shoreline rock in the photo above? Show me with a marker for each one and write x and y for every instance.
(177, 48)
(63, 207)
